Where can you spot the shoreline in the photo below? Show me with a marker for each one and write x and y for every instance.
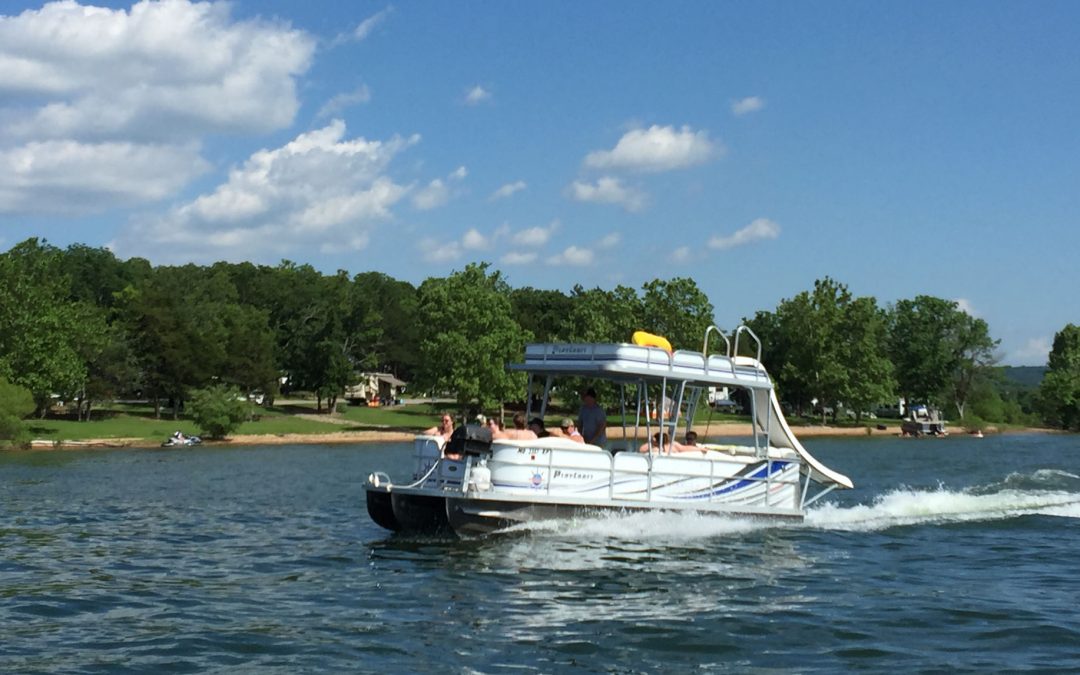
(386, 436)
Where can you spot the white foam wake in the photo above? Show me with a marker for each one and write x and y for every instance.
(901, 507)
(912, 507)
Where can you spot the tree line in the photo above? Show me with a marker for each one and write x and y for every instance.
(83, 326)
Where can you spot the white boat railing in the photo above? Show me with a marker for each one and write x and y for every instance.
(650, 473)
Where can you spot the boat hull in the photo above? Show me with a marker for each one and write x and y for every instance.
(471, 515)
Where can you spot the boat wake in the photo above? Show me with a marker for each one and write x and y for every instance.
(917, 507)
(1047, 492)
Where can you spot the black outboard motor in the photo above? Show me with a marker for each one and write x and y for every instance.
(471, 439)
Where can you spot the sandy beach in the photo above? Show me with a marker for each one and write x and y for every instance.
(377, 435)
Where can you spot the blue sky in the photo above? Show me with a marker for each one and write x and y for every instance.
(900, 148)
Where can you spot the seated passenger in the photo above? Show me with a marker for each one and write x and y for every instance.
(536, 425)
(445, 428)
(519, 432)
(662, 444)
(570, 431)
(691, 438)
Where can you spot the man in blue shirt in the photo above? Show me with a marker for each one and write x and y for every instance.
(593, 419)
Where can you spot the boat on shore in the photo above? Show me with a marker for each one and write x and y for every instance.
(477, 484)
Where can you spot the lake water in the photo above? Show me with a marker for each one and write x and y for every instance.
(950, 554)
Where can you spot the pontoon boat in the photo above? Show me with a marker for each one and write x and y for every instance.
(499, 483)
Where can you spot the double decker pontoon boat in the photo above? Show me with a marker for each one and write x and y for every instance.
(496, 483)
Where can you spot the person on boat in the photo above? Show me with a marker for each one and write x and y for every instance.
(664, 445)
(570, 431)
(536, 425)
(691, 439)
(519, 432)
(593, 419)
(445, 428)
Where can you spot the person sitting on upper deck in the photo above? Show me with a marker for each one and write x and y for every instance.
(518, 433)
(444, 430)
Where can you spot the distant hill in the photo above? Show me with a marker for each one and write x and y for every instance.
(1024, 376)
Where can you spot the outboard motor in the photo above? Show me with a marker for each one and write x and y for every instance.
(471, 439)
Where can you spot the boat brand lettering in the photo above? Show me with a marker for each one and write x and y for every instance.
(559, 350)
(572, 475)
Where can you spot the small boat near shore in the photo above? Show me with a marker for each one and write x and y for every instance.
(477, 484)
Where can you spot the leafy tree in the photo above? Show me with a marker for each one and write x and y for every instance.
(678, 310)
(473, 337)
(15, 404)
(816, 359)
(869, 378)
(218, 410)
(1059, 393)
(597, 315)
(938, 351)
(39, 325)
(97, 275)
(391, 333)
(975, 358)
(541, 312)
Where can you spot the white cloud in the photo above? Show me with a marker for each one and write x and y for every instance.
(507, 190)
(681, 254)
(161, 71)
(609, 241)
(477, 95)
(964, 305)
(1036, 351)
(473, 240)
(365, 27)
(762, 228)
(318, 190)
(747, 105)
(573, 256)
(609, 190)
(68, 177)
(656, 149)
(518, 258)
(431, 196)
(340, 102)
(102, 107)
(435, 251)
(437, 192)
(535, 236)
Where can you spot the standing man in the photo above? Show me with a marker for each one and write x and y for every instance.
(593, 419)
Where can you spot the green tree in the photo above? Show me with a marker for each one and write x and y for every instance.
(541, 312)
(15, 404)
(473, 337)
(597, 315)
(678, 310)
(816, 355)
(975, 359)
(869, 377)
(939, 352)
(218, 410)
(1059, 393)
(39, 325)
(389, 332)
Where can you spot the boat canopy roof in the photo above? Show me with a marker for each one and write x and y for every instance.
(626, 362)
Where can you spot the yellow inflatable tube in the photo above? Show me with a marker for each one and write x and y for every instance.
(643, 339)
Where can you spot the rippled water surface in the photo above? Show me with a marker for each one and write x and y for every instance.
(950, 554)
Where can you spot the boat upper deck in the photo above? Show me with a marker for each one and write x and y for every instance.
(626, 362)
